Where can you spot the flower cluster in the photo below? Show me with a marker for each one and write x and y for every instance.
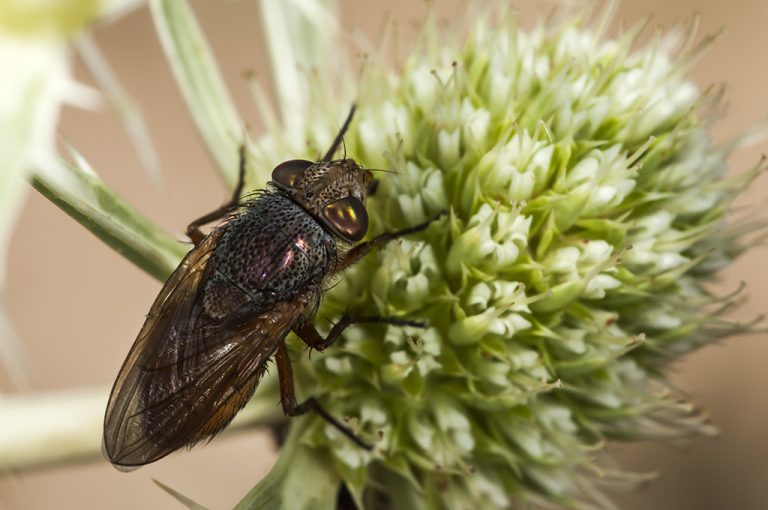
(586, 208)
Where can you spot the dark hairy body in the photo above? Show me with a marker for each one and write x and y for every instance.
(267, 255)
(226, 310)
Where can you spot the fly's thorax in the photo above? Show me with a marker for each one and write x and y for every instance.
(268, 254)
(333, 192)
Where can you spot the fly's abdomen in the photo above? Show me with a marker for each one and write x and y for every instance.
(269, 253)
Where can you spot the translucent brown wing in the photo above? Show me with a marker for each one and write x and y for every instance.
(187, 375)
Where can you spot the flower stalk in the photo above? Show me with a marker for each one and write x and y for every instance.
(29, 442)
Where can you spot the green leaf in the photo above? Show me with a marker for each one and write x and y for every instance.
(301, 479)
(181, 497)
(201, 84)
(123, 104)
(79, 192)
(299, 35)
(13, 356)
(401, 487)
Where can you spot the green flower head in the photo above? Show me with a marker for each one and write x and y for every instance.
(586, 207)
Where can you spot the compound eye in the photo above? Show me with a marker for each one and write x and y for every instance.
(287, 173)
(347, 218)
(373, 185)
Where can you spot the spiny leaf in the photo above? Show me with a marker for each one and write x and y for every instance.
(200, 82)
(79, 192)
(301, 479)
(181, 497)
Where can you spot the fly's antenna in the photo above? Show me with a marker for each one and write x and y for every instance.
(383, 170)
(340, 137)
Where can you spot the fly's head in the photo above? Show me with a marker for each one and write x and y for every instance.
(333, 192)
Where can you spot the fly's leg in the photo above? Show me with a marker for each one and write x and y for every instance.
(310, 336)
(305, 330)
(193, 229)
(293, 408)
(362, 249)
(340, 137)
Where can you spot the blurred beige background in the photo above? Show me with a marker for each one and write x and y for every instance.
(78, 305)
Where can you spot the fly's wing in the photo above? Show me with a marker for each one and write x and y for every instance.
(187, 375)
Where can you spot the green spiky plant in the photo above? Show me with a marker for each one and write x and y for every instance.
(586, 213)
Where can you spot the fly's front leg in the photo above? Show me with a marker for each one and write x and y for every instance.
(193, 229)
(305, 330)
(288, 397)
(362, 249)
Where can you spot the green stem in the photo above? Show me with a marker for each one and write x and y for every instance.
(32, 440)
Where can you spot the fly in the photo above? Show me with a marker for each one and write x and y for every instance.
(226, 310)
